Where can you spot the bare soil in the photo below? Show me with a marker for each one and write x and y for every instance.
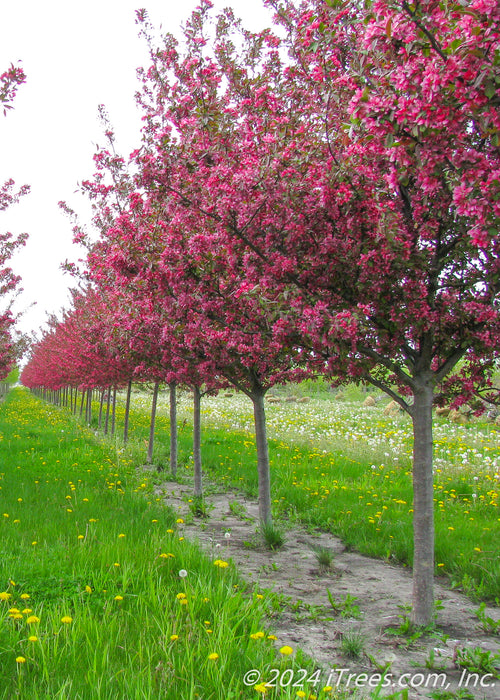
(305, 617)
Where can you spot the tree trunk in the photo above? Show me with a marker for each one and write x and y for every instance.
(198, 489)
(89, 406)
(81, 402)
(113, 412)
(108, 404)
(152, 424)
(101, 402)
(263, 468)
(423, 505)
(173, 428)
(127, 411)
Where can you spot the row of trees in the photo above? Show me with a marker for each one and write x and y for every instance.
(322, 197)
(11, 345)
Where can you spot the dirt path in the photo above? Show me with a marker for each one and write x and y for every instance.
(305, 618)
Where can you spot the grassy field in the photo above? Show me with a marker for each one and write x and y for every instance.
(346, 468)
(100, 595)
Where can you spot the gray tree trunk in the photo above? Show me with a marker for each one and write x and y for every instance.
(101, 402)
(423, 505)
(127, 412)
(198, 489)
(88, 412)
(263, 468)
(108, 404)
(113, 412)
(173, 428)
(152, 423)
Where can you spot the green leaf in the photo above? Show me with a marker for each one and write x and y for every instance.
(490, 90)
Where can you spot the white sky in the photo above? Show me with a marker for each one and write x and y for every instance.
(76, 56)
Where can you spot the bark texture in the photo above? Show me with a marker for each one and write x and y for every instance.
(173, 428)
(263, 467)
(152, 423)
(423, 505)
(198, 488)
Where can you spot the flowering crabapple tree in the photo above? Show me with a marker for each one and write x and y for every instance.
(210, 336)
(354, 155)
(218, 314)
(10, 347)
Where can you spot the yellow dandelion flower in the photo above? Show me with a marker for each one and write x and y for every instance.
(32, 638)
(180, 596)
(179, 520)
(213, 656)
(121, 535)
(4, 595)
(88, 589)
(118, 597)
(221, 564)
(260, 688)
(173, 637)
(257, 635)
(24, 596)
(66, 620)
(20, 660)
(32, 620)
(286, 650)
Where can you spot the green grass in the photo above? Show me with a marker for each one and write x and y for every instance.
(92, 603)
(347, 470)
